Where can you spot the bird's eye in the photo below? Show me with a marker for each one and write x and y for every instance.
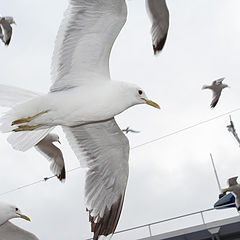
(17, 209)
(140, 92)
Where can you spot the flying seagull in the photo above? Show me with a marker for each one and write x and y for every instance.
(9, 231)
(53, 154)
(216, 87)
(84, 101)
(231, 129)
(159, 15)
(6, 29)
(10, 96)
(128, 129)
(234, 188)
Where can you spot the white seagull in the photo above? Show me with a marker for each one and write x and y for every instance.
(84, 100)
(9, 231)
(10, 96)
(216, 87)
(234, 188)
(53, 154)
(159, 15)
(6, 29)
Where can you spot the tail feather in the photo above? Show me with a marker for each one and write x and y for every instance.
(10, 96)
(22, 141)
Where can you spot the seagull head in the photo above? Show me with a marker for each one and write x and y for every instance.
(139, 96)
(54, 138)
(8, 211)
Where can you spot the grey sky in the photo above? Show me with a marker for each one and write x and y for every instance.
(167, 178)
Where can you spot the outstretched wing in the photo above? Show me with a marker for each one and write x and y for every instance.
(7, 29)
(9, 231)
(85, 40)
(54, 155)
(159, 15)
(216, 96)
(106, 154)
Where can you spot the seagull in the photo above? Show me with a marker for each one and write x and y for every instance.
(84, 100)
(53, 154)
(234, 188)
(231, 129)
(217, 87)
(9, 96)
(9, 231)
(127, 130)
(5, 26)
(159, 15)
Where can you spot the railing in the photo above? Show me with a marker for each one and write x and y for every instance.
(149, 225)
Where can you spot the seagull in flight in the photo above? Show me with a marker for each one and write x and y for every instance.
(234, 188)
(53, 154)
(8, 230)
(216, 87)
(128, 129)
(84, 100)
(6, 29)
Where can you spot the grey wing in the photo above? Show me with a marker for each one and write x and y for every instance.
(159, 15)
(106, 155)
(84, 41)
(9, 231)
(7, 31)
(54, 155)
(216, 96)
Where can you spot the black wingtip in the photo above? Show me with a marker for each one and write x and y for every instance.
(62, 175)
(159, 47)
(8, 42)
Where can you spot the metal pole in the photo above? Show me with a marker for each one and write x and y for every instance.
(150, 231)
(203, 218)
(215, 171)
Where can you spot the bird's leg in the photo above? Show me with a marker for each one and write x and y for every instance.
(28, 119)
(26, 128)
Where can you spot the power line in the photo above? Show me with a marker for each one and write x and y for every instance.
(135, 147)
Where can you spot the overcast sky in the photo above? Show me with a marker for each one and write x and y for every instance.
(170, 177)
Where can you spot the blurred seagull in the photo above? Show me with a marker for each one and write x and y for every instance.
(159, 15)
(6, 29)
(9, 231)
(84, 100)
(127, 130)
(234, 188)
(232, 130)
(217, 87)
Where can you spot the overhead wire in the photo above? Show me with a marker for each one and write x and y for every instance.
(135, 147)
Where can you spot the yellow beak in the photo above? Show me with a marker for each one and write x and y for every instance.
(24, 217)
(151, 103)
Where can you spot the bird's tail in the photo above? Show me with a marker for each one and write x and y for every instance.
(9, 97)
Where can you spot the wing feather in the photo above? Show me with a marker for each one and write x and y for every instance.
(85, 40)
(106, 152)
(159, 15)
